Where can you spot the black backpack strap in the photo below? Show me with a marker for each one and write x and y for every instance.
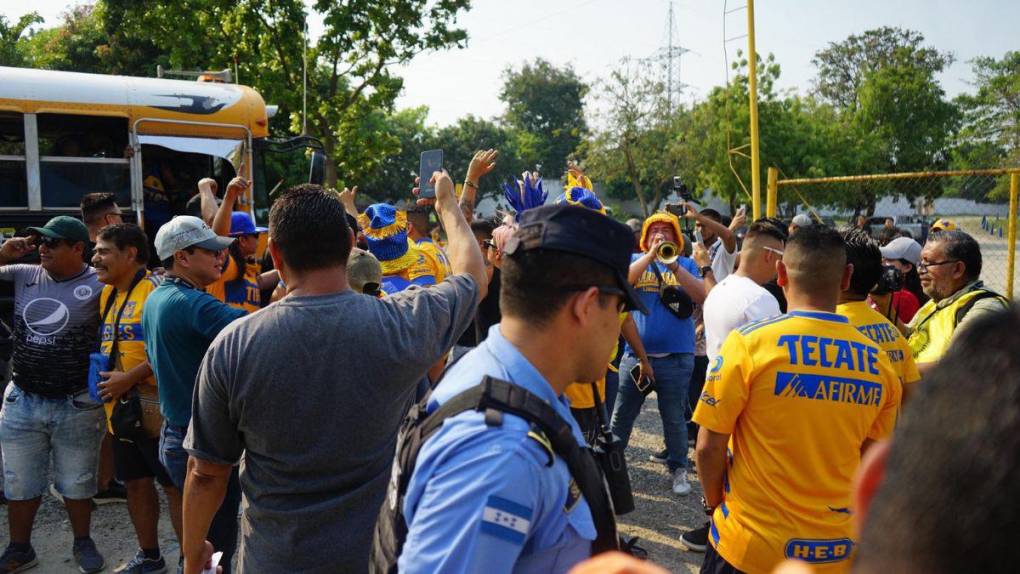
(493, 397)
(966, 307)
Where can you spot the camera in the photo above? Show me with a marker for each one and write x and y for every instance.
(681, 189)
(890, 281)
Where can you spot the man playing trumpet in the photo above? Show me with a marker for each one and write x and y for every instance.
(669, 285)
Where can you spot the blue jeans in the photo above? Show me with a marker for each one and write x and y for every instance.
(612, 390)
(223, 529)
(35, 428)
(672, 377)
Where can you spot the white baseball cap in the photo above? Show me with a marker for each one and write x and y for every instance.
(186, 231)
(802, 220)
(902, 248)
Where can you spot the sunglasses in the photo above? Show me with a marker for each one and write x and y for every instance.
(489, 243)
(607, 290)
(778, 252)
(50, 242)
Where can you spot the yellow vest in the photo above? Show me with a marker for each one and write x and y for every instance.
(934, 326)
(580, 394)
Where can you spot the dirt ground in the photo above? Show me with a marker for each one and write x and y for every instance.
(659, 519)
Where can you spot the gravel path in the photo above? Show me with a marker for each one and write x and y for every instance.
(660, 516)
(659, 519)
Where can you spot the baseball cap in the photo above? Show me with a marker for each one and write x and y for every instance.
(581, 232)
(902, 248)
(363, 268)
(186, 231)
(944, 225)
(63, 227)
(241, 223)
(802, 220)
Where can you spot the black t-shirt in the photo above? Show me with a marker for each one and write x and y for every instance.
(488, 310)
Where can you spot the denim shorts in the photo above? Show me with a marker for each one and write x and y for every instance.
(33, 428)
(172, 454)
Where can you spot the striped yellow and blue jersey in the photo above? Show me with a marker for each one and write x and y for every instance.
(238, 287)
(130, 334)
(798, 394)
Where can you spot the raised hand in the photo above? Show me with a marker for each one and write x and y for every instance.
(17, 247)
(482, 164)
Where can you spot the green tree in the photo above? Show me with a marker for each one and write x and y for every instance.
(632, 152)
(350, 87)
(12, 38)
(545, 109)
(844, 66)
(393, 178)
(884, 86)
(469, 134)
(990, 132)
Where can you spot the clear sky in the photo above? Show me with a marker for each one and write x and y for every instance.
(593, 35)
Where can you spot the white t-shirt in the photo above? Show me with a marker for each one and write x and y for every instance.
(722, 261)
(732, 303)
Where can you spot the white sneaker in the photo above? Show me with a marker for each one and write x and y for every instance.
(680, 484)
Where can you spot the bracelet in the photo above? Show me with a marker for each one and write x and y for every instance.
(469, 183)
(706, 270)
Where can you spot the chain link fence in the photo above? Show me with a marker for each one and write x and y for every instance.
(980, 202)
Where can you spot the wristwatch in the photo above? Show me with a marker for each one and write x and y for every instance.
(705, 270)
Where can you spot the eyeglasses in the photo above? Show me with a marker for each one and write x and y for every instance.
(922, 267)
(778, 252)
(50, 242)
(606, 290)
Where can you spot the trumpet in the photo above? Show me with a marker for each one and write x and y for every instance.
(668, 252)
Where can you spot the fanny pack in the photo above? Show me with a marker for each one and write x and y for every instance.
(674, 298)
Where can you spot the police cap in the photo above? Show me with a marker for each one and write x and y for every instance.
(582, 232)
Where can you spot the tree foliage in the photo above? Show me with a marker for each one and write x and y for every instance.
(545, 110)
(12, 36)
(632, 152)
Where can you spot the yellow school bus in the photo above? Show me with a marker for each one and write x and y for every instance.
(148, 140)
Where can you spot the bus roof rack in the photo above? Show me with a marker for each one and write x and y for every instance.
(223, 76)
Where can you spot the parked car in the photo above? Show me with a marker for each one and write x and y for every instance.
(915, 225)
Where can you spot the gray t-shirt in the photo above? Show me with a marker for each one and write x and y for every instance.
(312, 391)
(56, 326)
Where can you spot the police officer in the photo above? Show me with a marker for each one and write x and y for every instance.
(497, 492)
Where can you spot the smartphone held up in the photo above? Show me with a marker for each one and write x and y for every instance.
(431, 162)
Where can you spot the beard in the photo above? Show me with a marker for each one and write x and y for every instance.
(935, 293)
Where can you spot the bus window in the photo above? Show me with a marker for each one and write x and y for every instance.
(13, 181)
(82, 154)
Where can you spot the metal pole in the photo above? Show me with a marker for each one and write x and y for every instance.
(304, 79)
(1014, 187)
(752, 85)
(772, 192)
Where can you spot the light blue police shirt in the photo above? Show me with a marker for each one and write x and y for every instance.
(483, 498)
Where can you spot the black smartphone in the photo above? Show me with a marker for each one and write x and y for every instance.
(431, 162)
(643, 384)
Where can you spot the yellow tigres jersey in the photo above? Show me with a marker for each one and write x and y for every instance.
(580, 393)
(876, 327)
(243, 294)
(437, 258)
(798, 394)
(130, 335)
